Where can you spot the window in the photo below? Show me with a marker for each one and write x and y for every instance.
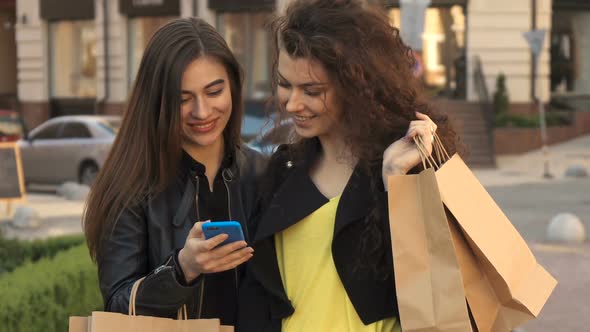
(75, 130)
(443, 45)
(50, 132)
(111, 126)
(140, 31)
(570, 57)
(73, 59)
(249, 40)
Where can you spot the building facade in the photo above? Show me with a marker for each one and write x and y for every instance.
(74, 59)
(8, 81)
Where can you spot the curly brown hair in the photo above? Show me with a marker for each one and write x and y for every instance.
(371, 69)
(370, 66)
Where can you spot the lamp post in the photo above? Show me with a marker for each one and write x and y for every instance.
(536, 39)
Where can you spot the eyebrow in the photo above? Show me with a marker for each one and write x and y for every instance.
(214, 83)
(304, 85)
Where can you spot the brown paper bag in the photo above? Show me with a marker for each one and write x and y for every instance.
(116, 322)
(505, 286)
(428, 281)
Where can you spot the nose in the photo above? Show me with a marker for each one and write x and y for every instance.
(201, 109)
(294, 103)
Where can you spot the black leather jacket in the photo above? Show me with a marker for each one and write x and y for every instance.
(263, 301)
(146, 239)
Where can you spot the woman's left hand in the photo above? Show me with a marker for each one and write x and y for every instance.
(403, 155)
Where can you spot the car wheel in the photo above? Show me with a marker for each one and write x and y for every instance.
(88, 173)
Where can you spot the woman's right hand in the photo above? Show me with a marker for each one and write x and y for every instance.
(203, 256)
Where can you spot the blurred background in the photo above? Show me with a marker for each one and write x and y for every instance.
(513, 76)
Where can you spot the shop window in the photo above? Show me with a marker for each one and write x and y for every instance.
(443, 47)
(249, 40)
(140, 31)
(73, 59)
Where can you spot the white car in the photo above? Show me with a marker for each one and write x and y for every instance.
(68, 148)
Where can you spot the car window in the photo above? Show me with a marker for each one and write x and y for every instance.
(50, 132)
(75, 130)
(112, 126)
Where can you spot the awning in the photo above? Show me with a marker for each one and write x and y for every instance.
(571, 5)
(241, 5)
(433, 3)
(57, 10)
(134, 8)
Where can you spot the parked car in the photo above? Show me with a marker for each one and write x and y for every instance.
(10, 126)
(68, 148)
(252, 126)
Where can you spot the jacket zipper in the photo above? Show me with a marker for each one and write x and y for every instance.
(202, 288)
(225, 182)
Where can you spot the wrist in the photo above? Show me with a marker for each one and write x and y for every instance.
(189, 274)
(394, 170)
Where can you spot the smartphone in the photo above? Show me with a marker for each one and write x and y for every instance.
(231, 228)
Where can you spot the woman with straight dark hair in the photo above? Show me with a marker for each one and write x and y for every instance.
(323, 250)
(177, 160)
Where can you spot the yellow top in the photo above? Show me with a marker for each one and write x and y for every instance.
(310, 279)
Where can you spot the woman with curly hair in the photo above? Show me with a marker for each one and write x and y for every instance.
(322, 257)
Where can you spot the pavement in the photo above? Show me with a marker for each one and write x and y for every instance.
(58, 215)
(530, 201)
(518, 186)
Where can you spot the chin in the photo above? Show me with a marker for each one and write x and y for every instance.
(204, 140)
(306, 133)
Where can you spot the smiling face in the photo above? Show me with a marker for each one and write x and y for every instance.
(206, 103)
(308, 96)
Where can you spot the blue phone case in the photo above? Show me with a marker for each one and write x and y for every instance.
(231, 228)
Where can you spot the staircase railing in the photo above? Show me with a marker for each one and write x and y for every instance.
(481, 89)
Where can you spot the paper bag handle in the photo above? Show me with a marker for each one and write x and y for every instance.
(438, 149)
(424, 155)
(134, 295)
(182, 311)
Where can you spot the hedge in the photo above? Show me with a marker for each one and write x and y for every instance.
(41, 296)
(14, 253)
(529, 121)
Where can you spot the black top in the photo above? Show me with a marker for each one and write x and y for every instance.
(212, 204)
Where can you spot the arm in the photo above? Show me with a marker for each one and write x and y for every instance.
(123, 259)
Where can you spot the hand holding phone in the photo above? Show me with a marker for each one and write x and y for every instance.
(207, 255)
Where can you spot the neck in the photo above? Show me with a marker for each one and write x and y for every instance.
(211, 156)
(335, 150)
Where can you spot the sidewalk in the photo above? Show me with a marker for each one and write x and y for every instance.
(58, 217)
(528, 168)
(530, 201)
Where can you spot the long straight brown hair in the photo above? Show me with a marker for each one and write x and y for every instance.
(145, 155)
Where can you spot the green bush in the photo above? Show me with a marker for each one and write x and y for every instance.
(14, 253)
(41, 296)
(501, 98)
(522, 121)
